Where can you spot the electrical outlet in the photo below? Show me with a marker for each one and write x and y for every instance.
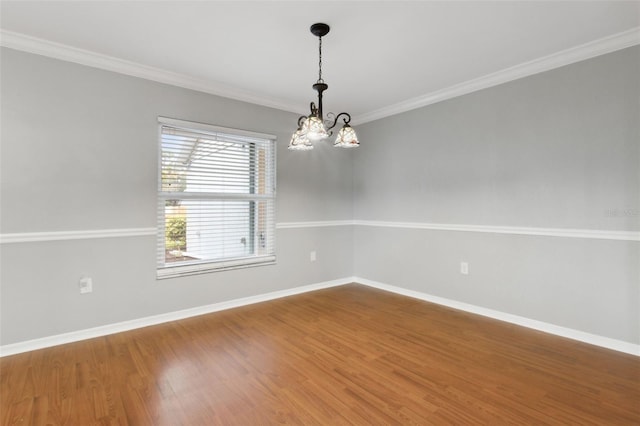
(312, 256)
(464, 268)
(86, 285)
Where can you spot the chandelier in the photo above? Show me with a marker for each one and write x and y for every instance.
(313, 128)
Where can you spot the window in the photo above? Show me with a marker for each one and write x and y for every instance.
(216, 198)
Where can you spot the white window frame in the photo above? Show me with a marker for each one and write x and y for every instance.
(176, 269)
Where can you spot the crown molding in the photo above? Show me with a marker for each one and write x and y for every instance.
(38, 46)
(556, 60)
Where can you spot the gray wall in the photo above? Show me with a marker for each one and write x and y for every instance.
(79, 152)
(555, 150)
(559, 149)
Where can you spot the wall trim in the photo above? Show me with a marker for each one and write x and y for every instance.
(39, 46)
(31, 237)
(556, 60)
(316, 224)
(34, 237)
(581, 336)
(90, 333)
(516, 230)
(75, 336)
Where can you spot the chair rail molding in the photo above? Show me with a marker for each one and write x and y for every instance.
(32, 237)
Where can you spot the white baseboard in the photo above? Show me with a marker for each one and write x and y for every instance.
(75, 336)
(593, 339)
(90, 333)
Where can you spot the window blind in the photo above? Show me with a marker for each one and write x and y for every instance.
(216, 198)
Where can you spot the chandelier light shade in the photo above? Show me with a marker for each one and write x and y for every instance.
(314, 127)
(299, 139)
(346, 138)
(300, 142)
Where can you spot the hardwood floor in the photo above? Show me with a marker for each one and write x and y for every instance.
(345, 355)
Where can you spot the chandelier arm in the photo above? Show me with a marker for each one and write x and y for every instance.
(330, 116)
(301, 120)
(346, 120)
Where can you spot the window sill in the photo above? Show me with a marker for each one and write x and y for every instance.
(209, 267)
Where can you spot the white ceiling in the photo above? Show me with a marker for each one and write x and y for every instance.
(378, 54)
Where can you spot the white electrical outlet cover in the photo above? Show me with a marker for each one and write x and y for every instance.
(464, 268)
(86, 285)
